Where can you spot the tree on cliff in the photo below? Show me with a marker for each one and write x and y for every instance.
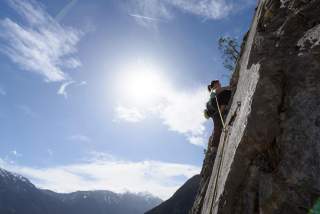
(230, 51)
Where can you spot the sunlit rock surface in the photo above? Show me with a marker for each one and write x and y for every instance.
(268, 160)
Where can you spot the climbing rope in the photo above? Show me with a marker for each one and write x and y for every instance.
(223, 124)
(214, 201)
(226, 136)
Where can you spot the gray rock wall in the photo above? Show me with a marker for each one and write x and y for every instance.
(269, 157)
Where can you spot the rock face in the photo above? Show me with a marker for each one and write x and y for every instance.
(268, 159)
(19, 196)
(182, 199)
(207, 166)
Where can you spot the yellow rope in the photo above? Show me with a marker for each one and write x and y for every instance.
(219, 169)
(214, 202)
(220, 113)
(226, 136)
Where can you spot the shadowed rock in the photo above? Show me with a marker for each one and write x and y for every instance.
(181, 201)
(268, 160)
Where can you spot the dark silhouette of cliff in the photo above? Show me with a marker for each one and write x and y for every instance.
(268, 160)
(181, 201)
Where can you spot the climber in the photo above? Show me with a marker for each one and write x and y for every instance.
(222, 95)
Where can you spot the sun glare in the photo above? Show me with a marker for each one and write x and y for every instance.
(142, 82)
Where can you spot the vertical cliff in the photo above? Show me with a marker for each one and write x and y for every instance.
(268, 159)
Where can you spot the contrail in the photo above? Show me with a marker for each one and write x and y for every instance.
(65, 10)
(146, 18)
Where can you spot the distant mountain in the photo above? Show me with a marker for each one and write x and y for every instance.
(181, 201)
(19, 196)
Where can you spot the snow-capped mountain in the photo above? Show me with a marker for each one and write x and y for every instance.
(19, 196)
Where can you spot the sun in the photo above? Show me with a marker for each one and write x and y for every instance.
(142, 82)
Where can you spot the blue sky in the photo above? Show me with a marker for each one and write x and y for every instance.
(109, 94)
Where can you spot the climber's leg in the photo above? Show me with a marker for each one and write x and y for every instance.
(217, 130)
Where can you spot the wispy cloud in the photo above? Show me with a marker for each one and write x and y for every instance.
(27, 110)
(180, 111)
(184, 111)
(15, 153)
(209, 9)
(80, 138)
(144, 17)
(62, 90)
(158, 178)
(148, 13)
(40, 44)
(164, 9)
(65, 10)
(148, 21)
(128, 114)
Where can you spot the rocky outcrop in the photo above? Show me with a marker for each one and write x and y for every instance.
(268, 159)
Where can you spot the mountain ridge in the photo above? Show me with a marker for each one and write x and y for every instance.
(18, 195)
(181, 201)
